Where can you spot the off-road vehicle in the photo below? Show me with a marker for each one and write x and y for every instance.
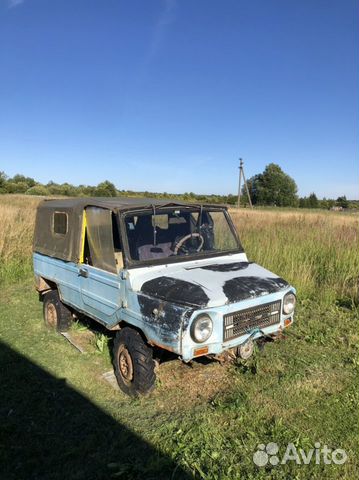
(161, 274)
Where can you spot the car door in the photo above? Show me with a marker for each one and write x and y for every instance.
(100, 281)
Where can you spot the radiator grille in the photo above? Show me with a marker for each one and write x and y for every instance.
(242, 322)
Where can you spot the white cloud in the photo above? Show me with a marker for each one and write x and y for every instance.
(167, 16)
(14, 3)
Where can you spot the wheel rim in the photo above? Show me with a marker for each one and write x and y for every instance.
(246, 350)
(125, 365)
(51, 315)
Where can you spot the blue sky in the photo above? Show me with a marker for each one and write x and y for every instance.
(165, 95)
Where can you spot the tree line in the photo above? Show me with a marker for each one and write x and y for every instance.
(272, 187)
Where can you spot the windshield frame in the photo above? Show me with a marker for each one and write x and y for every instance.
(131, 263)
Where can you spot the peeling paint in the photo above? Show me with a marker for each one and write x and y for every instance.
(166, 318)
(241, 288)
(176, 290)
(226, 267)
(212, 284)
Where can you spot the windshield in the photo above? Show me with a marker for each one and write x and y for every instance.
(179, 233)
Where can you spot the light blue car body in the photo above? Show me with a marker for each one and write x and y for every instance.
(117, 299)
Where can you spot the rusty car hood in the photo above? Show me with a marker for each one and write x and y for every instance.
(209, 285)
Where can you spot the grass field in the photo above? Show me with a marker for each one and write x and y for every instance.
(61, 419)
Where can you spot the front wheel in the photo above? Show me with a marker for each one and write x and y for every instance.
(133, 362)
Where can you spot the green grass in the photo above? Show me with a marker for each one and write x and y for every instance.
(14, 270)
(60, 419)
(316, 252)
(301, 389)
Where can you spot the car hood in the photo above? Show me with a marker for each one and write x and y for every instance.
(210, 285)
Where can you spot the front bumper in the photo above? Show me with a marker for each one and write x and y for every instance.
(217, 343)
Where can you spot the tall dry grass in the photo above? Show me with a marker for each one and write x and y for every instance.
(316, 251)
(17, 219)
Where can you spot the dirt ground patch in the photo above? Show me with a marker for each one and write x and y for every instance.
(187, 384)
(191, 384)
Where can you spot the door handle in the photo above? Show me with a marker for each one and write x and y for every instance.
(83, 272)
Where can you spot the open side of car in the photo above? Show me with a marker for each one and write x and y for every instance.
(161, 274)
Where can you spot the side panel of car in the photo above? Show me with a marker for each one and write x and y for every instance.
(88, 290)
(100, 292)
(64, 274)
(107, 298)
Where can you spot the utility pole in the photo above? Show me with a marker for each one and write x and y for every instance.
(239, 182)
(241, 175)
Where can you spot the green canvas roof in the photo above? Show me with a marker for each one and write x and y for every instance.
(67, 247)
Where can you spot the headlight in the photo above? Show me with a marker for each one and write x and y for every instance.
(201, 328)
(289, 303)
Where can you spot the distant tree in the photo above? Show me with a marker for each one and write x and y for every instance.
(273, 187)
(303, 202)
(254, 186)
(16, 187)
(86, 191)
(313, 201)
(54, 188)
(37, 190)
(3, 179)
(106, 189)
(354, 204)
(323, 203)
(22, 179)
(327, 203)
(342, 202)
(231, 199)
(68, 190)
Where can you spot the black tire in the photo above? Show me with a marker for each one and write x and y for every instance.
(139, 377)
(56, 315)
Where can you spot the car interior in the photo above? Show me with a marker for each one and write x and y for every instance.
(157, 236)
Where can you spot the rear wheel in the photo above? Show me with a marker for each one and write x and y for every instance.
(56, 315)
(133, 362)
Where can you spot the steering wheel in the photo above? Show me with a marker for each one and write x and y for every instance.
(180, 244)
